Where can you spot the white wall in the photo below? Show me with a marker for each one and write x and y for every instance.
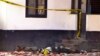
(93, 23)
(13, 17)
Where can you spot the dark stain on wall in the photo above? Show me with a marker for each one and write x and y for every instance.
(9, 39)
(93, 38)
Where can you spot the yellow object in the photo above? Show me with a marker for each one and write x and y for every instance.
(12, 3)
(45, 52)
(41, 8)
(79, 26)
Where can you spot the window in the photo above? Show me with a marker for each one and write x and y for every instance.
(38, 13)
(93, 6)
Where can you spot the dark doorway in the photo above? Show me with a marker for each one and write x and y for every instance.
(95, 6)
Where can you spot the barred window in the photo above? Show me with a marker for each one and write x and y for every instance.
(38, 13)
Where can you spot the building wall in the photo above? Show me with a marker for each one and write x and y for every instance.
(93, 31)
(16, 29)
(93, 22)
(13, 17)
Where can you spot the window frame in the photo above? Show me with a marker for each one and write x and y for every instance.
(73, 5)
